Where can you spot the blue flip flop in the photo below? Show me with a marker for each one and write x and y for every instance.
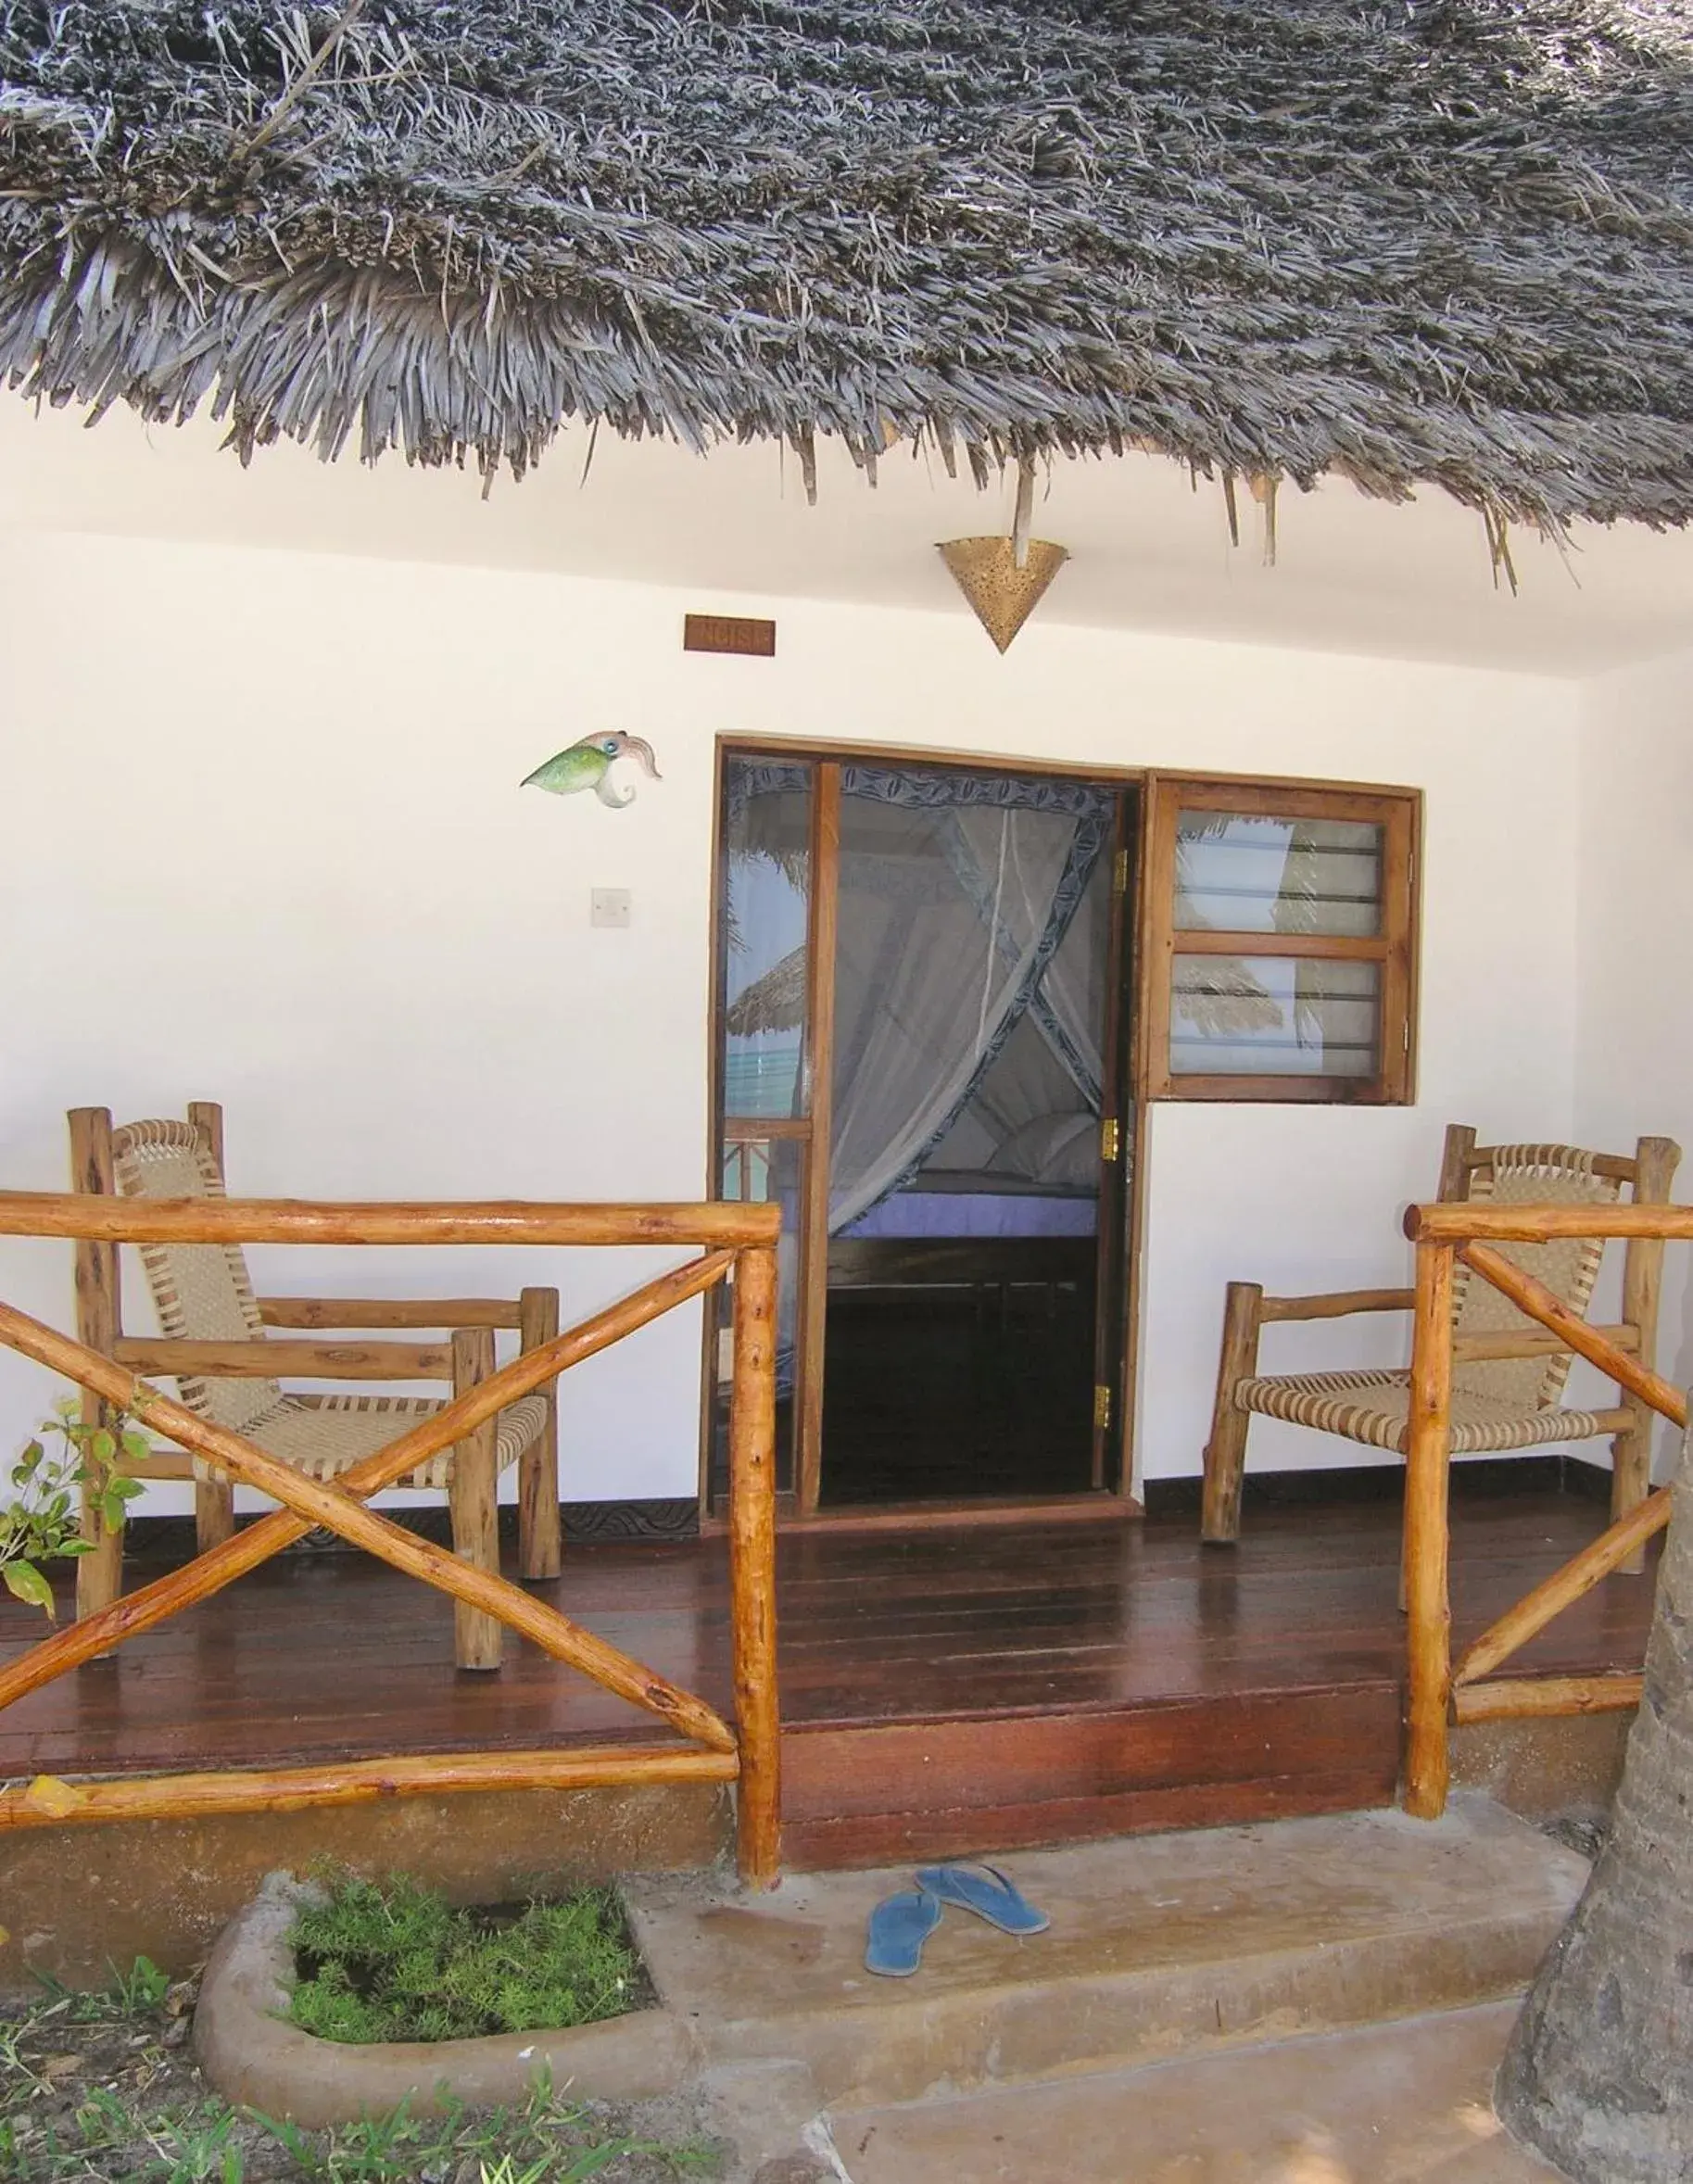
(990, 1894)
(899, 1927)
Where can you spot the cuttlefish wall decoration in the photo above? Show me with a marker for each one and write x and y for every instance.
(589, 764)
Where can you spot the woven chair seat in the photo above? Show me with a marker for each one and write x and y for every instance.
(324, 1435)
(1372, 1407)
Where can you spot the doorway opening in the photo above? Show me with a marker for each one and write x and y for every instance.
(921, 1045)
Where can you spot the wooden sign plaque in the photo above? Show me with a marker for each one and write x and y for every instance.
(728, 633)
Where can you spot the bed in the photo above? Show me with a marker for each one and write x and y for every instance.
(985, 1229)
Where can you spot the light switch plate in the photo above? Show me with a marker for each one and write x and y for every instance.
(609, 906)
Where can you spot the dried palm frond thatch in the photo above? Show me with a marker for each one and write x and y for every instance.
(1428, 242)
(1232, 1003)
(774, 1002)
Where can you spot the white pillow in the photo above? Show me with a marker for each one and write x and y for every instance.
(1061, 1150)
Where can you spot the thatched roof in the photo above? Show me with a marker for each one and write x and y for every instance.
(1412, 241)
(774, 1002)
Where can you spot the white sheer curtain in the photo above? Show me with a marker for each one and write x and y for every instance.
(942, 914)
(1069, 1005)
(1026, 1097)
(1032, 1112)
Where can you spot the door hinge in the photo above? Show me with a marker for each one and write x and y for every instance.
(1119, 874)
(1110, 1139)
(1102, 1408)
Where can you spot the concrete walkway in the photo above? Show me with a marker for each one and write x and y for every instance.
(1309, 2001)
(1160, 1947)
(1403, 2103)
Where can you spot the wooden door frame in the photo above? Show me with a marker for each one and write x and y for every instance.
(822, 925)
(1118, 1117)
(1121, 1498)
(799, 1507)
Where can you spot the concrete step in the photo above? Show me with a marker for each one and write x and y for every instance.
(1160, 1946)
(1403, 2103)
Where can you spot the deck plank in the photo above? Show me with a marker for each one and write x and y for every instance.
(1059, 1677)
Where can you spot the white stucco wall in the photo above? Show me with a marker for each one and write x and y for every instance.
(1635, 1034)
(263, 843)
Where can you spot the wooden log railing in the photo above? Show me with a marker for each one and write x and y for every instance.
(1440, 1692)
(736, 1241)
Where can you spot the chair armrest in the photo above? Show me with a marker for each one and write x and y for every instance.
(1336, 1305)
(363, 1311)
(268, 1360)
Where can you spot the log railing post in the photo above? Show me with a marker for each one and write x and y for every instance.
(752, 1568)
(214, 1498)
(540, 1524)
(473, 1497)
(1656, 1160)
(99, 1322)
(1428, 1454)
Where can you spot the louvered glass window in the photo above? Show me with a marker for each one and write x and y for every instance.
(1280, 929)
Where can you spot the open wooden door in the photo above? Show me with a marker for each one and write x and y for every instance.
(1119, 1133)
(819, 1075)
(977, 894)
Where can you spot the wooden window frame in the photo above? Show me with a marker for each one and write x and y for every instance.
(1399, 812)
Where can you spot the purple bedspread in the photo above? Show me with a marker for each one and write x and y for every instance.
(960, 1213)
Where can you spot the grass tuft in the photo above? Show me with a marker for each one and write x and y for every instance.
(394, 1962)
(100, 2088)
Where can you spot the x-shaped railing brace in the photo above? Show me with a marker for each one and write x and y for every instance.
(339, 1507)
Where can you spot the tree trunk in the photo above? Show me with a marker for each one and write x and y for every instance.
(1598, 2074)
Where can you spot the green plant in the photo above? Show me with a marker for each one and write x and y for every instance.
(130, 2111)
(144, 1986)
(42, 1522)
(504, 2171)
(546, 2141)
(197, 2148)
(102, 2120)
(397, 1962)
(139, 1992)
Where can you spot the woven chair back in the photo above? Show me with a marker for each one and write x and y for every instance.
(200, 1291)
(1530, 1175)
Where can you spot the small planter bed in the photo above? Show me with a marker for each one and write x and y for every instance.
(324, 2006)
(396, 1962)
(102, 2088)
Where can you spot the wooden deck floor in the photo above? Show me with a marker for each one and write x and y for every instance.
(1028, 1669)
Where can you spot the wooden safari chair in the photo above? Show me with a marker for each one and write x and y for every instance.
(1509, 1375)
(214, 1343)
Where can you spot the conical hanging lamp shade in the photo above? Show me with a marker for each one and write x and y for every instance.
(1003, 595)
